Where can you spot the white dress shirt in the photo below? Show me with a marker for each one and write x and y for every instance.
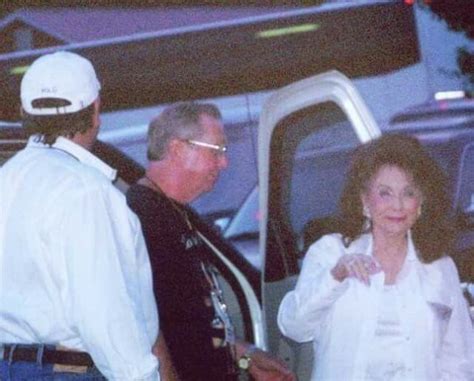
(74, 269)
(341, 318)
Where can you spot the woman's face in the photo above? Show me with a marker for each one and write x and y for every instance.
(392, 200)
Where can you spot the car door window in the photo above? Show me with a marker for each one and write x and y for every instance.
(319, 166)
(315, 147)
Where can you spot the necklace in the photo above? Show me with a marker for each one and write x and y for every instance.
(177, 208)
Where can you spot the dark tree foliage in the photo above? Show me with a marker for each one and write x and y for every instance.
(466, 64)
(459, 16)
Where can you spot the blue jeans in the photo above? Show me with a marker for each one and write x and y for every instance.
(38, 371)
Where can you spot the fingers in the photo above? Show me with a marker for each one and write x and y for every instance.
(267, 361)
(265, 366)
(357, 266)
(356, 269)
(359, 270)
(271, 375)
(373, 266)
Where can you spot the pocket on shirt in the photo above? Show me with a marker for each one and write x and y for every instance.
(442, 315)
(442, 311)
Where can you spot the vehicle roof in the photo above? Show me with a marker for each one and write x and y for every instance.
(232, 57)
(434, 116)
(442, 113)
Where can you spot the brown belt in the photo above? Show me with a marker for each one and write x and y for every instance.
(50, 356)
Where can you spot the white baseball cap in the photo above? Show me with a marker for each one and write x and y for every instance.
(61, 75)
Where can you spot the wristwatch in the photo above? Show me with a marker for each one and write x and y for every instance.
(245, 360)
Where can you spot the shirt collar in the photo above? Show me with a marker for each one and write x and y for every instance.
(411, 252)
(364, 244)
(80, 153)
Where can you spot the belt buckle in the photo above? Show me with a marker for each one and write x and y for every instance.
(70, 368)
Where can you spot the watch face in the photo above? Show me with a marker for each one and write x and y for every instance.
(244, 363)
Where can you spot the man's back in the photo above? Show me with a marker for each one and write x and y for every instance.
(42, 182)
(69, 242)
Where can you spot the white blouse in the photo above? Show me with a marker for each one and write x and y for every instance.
(387, 362)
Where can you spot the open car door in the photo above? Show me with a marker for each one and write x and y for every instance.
(307, 132)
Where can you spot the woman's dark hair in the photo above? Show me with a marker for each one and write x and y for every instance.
(49, 127)
(432, 232)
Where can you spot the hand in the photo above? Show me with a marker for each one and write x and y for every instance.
(160, 350)
(357, 266)
(266, 367)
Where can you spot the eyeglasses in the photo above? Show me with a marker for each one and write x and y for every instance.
(221, 149)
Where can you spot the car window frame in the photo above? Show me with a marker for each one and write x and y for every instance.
(331, 86)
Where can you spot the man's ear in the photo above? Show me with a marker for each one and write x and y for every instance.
(96, 113)
(175, 148)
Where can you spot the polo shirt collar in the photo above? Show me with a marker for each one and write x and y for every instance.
(80, 153)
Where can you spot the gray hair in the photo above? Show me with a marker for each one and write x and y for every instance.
(178, 121)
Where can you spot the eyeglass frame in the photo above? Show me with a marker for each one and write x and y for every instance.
(221, 149)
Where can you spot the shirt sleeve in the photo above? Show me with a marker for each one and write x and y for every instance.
(109, 290)
(457, 356)
(303, 311)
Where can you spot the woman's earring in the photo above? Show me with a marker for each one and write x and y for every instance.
(367, 219)
(366, 212)
(418, 212)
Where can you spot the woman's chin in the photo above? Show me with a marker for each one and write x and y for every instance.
(393, 230)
